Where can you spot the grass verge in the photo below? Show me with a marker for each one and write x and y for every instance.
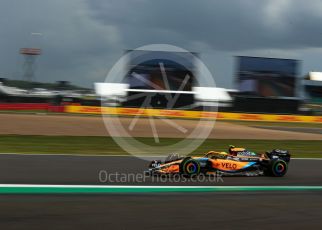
(107, 146)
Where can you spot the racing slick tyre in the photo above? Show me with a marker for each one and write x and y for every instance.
(276, 168)
(189, 167)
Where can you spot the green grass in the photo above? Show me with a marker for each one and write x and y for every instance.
(107, 146)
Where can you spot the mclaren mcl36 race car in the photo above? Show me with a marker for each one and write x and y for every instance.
(238, 161)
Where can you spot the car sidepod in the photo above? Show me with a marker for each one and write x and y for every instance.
(226, 165)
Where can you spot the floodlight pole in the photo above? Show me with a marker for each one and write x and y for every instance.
(30, 55)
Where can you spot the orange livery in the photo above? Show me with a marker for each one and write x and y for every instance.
(238, 161)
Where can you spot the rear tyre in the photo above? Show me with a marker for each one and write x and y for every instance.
(190, 167)
(276, 168)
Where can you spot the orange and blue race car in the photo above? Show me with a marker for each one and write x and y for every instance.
(238, 161)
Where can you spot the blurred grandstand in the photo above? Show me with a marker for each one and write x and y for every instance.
(263, 85)
(313, 92)
(12, 91)
(164, 80)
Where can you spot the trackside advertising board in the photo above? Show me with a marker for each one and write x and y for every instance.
(190, 114)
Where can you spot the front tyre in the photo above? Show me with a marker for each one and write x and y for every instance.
(277, 168)
(190, 167)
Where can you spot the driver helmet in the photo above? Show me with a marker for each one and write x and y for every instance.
(231, 149)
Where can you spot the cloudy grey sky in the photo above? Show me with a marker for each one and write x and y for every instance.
(82, 39)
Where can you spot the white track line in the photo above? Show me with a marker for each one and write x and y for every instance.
(148, 186)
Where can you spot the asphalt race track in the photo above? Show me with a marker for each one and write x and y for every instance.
(83, 170)
(219, 210)
(163, 211)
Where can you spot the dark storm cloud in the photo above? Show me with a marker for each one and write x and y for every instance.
(75, 47)
(222, 25)
(82, 39)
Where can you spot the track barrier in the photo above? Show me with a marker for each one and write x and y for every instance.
(77, 109)
(190, 114)
(32, 107)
